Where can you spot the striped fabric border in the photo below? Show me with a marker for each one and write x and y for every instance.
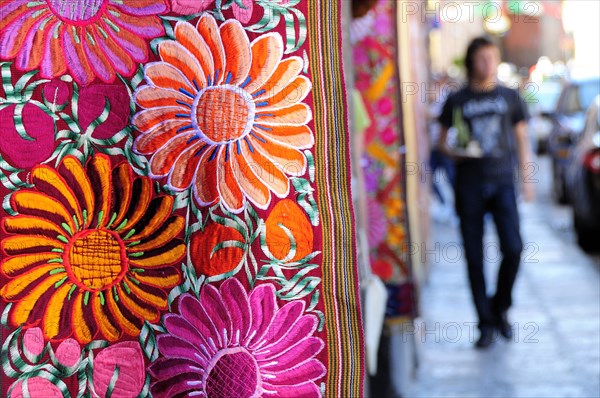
(340, 278)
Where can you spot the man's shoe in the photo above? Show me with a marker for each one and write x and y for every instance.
(486, 338)
(504, 327)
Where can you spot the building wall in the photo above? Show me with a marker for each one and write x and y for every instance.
(414, 67)
(530, 37)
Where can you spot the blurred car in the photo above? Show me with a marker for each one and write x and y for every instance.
(583, 181)
(541, 99)
(567, 125)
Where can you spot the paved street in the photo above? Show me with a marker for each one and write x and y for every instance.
(556, 348)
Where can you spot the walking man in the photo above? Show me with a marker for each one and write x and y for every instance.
(491, 124)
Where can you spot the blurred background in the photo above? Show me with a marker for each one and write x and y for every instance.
(403, 58)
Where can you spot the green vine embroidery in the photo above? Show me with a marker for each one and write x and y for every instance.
(20, 94)
(274, 10)
(80, 143)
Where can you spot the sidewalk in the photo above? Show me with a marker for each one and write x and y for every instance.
(556, 315)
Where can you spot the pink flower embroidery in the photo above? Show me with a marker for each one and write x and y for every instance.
(36, 387)
(90, 38)
(33, 343)
(243, 14)
(35, 122)
(128, 358)
(95, 97)
(187, 7)
(68, 353)
(231, 344)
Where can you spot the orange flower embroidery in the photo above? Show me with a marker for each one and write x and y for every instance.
(211, 260)
(91, 252)
(287, 228)
(224, 115)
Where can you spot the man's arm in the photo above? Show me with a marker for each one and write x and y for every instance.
(442, 144)
(525, 161)
(443, 147)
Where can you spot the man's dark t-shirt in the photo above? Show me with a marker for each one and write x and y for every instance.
(490, 117)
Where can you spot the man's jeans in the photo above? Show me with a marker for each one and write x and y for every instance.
(473, 201)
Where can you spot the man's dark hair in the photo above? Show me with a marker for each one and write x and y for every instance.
(475, 45)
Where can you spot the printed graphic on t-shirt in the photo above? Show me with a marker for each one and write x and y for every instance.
(487, 130)
(485, 118)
